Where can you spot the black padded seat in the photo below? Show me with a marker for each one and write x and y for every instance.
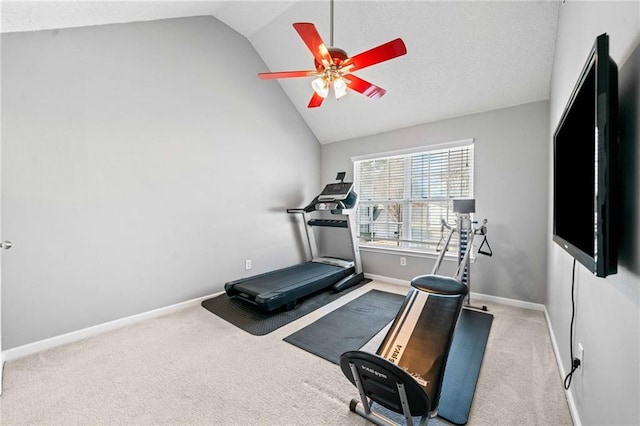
(436, 284)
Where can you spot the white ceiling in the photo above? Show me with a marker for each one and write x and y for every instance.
(463, 57)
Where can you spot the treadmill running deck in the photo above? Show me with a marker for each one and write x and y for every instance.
(274, 289)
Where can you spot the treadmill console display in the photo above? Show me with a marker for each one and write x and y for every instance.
(336, 191)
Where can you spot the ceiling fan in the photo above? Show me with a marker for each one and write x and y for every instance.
(334, 68)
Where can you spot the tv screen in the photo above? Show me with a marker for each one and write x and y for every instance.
(585, 181)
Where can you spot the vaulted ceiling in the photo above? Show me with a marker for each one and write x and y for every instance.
(463, 57)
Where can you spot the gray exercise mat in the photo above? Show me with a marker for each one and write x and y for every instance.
(349, 327)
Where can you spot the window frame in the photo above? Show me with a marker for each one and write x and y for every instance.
(406, 247)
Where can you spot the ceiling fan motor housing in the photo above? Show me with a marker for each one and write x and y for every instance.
(337, 55)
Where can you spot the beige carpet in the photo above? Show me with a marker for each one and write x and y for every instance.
(191, 367)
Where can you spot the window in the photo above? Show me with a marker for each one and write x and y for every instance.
(403, 197)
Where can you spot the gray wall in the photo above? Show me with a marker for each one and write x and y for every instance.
(142, 164)
(606, 390)
(511, 180)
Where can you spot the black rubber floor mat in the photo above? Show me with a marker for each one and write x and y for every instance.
(463, 365)
(247, 317)
(349, 327)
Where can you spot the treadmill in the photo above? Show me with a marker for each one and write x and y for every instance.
(284, 287)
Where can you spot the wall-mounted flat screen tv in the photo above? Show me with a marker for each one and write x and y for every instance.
(586, 176)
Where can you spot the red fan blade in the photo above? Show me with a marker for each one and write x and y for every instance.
(286, 74)
(316, 101)
(312, 39)
(382, 53)
(364, 87)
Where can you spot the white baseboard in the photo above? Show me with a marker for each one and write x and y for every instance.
(74, 336)
(477, 296)
(506, 301)
(573, 410)
(387, 279)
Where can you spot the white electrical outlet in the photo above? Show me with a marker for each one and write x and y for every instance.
(581, 355)
(247, 264)
(403, 261)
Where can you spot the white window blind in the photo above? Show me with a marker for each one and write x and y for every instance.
(404, 197)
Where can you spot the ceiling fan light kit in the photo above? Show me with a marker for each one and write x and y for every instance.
(333, 67)
(320, 86)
